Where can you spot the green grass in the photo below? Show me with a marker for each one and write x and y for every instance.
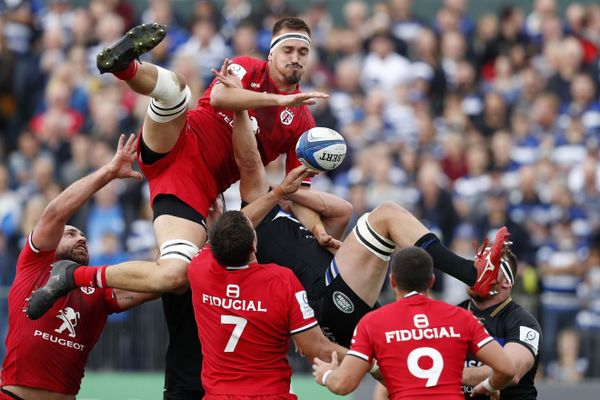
(129, 386)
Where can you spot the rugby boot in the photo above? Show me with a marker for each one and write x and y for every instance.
(487, 263)
(139, 40)
(60, 283)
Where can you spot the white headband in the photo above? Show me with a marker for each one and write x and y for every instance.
(505, 266)
(288, 36)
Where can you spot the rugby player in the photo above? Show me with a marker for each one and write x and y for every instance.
(514, 328)
(45, 359)
(420, 344)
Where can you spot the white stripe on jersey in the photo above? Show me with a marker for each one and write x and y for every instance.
(485, 341)
(304, 328)
(357, 354)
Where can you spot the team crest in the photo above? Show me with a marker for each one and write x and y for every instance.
(286, 117)
(88, 290)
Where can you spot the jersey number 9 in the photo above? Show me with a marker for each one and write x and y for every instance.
(431, 374)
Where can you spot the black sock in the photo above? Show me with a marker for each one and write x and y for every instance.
(447, 261)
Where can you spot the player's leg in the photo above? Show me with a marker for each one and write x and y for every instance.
(179, 239)
(367, 250)
(166, 115)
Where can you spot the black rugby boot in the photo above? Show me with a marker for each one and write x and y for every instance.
(139, 40)
(60, 283)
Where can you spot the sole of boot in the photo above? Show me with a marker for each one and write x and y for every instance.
(137, 41)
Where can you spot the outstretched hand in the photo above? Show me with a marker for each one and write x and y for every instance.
(299, 99)
(121, 166)
(292, 181)
(226, 77)
(320, 367)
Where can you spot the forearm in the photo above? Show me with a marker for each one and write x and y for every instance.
(499, 380)
(307, 216)
(258, 209)
(127, 300)
(253, 178)
(235, 99)
(334, 211)
(74, 196)
(472, 376)
(340, 383)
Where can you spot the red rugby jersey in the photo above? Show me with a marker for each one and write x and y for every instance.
(245, 317)
(50, 353)
(277, 128)
(420, 345)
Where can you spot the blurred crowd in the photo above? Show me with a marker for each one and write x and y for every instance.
(470, 124)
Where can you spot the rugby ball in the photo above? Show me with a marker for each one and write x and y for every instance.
(321, 149)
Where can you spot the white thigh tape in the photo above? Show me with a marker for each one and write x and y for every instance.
(178, 248)
(164, 112)
(373, 241)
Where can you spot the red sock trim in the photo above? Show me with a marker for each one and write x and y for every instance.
(85, 276)
(129, 72)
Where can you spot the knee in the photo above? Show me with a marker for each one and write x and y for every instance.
(388, 209)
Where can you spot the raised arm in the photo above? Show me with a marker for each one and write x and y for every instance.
(253, 177)
(49, 229)
(234, 98)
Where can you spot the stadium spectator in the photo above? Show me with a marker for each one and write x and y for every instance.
(398, 335)
(561, 267)
(514, 328)
(46, 358)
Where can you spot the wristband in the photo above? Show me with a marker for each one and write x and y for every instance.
(278, 192)
(488, 386)
(325, 376)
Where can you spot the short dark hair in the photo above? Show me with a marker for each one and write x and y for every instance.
(232, 239)
(291, 23)
(412, 268)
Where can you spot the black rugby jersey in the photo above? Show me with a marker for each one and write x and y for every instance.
(509, 322)
(283, 240)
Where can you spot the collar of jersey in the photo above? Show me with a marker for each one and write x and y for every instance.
(240, 267)
(496, 310)
(411, 294)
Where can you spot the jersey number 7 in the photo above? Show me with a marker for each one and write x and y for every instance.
(240, 324)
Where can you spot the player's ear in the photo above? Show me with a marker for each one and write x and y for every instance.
(431, 281)
(393, 282)
(270, 57)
